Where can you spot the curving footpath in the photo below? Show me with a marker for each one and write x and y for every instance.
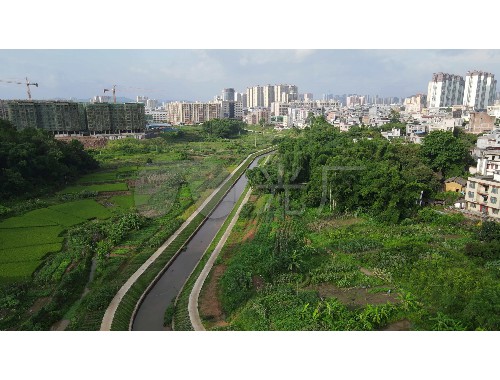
(115, 302)
(194, 315)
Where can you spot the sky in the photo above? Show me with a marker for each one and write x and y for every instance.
(200, 74)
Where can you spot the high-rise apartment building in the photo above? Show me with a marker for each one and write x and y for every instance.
(63, 117)
(268, 95)
(255, 96)
(53, 116)
(114, 118)
(480, 90)
(192, 113)
(285, 93)
(264, 96)
(445, 90)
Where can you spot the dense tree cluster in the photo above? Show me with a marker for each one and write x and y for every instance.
(224, 128)
(352, 170)
(32, 161)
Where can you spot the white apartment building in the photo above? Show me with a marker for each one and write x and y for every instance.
(255, 96)
(268, 95)
(445, 90)
(483, 191)
(157, 116)
(192, 113)
(480, 90)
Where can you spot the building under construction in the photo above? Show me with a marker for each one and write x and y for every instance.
(63, 117)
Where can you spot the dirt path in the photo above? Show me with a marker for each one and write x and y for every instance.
(209, 304)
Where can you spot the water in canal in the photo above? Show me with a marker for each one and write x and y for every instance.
(149, 317)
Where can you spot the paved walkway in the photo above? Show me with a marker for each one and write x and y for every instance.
(107, 320)
(194, 314)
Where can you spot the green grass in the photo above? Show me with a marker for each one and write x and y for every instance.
(30, 253)
(86, 209)
(23, 237)
(120, 186)
(26, 221)
(123, 201)
(11, 272)
(60, 218)
(98, 177)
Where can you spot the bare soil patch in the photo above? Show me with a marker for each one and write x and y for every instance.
(402, 325)
(354, 297)
(251, 230)
(39, 303)
(333, 222)
(209, 304)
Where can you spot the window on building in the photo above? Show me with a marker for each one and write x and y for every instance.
(494, 190)
(493, 200)
(471, 194)
(472, 185)
(495, 210)
(473, 205)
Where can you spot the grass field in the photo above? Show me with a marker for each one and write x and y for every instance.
(26, 239)
(23, 237)
(119, 186)
(109, 176)
(29, 253)
(86, 209)
(11, 272)
(123, 201)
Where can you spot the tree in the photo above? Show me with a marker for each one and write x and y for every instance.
(222, 128)
(32, 161)
(445, 153)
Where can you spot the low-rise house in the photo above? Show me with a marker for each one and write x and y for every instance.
(455, 184)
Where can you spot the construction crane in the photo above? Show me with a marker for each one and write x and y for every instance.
(114, 92)
(120, 87)
(28, 84)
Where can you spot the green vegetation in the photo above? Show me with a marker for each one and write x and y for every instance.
(32, 162)
(124, 311)
(447, 154)
(223, 128)
(120, 186)
(116, 217)
(357, 251)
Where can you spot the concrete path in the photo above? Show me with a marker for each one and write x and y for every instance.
(107, 320)
(194, 314)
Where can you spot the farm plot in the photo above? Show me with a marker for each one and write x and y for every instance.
(119, 186)
(86, 209)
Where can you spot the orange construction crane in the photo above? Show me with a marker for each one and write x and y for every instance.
(27, 83)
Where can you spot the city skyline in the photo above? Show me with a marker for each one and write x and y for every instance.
(199, 75)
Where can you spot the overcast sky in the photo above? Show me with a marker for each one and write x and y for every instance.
(201, 74)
